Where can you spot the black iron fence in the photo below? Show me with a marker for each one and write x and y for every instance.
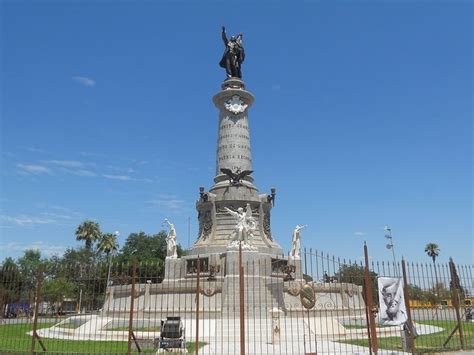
(238, 304)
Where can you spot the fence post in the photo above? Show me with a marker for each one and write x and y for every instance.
(2, 302)
(132, 304)
(242, 302)
(455, 299)
(198, 291)
(407, 306)
(39, 282)
(369, 301)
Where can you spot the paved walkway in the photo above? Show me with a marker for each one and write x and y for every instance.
(296, 338)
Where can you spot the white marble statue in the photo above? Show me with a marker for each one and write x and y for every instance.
(243, 231)
(295, 252)
(171, 246)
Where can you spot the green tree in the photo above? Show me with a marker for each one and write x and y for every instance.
(415, 292)
(56, 290)
(28, 265)
(149, 251)
(88, 231)
(107, 243)
(432, 250)
(144, 247)
(11, 282)
(355, 274)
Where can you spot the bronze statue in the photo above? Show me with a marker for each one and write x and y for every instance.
(233, 56)
(236, 178)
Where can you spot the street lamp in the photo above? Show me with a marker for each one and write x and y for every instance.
(390, 246)
(116, 234)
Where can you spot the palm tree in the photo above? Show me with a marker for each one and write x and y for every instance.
(108, 244)
(89, 231)
(432, 250)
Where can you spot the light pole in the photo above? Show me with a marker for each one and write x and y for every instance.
(116, 234)
(390, 246)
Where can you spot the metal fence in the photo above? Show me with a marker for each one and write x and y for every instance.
(237, 305)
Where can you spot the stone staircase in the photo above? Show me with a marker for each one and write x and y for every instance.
(261, 294)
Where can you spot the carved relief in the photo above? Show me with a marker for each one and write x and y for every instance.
(235, 105)
(266, 225)
(294, 288)
(234, 208)
(209, 291)
(205, 223)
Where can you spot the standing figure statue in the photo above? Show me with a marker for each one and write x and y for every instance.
(295, 252)
(171, 246)
(233, 56)
(243, 231)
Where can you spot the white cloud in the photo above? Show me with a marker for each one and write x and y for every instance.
(33, 169)
(24, 220)
(65, 163)
(45, 249)
(360, 234)
(169, 202)
(118, 177)
(35, 150)
(80, 172)
(84, 81)
(92, 155)
(56, 211)
(58, 217)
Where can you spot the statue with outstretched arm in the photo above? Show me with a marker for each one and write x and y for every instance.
(233, 56)
(296, 242)
(239, 230)
(171, 245)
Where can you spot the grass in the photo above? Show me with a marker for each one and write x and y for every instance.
(14, 337)
(139, 329)
(360, 326)
(191, 346)
(429, 342)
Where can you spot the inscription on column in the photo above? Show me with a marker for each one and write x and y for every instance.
(233, 150)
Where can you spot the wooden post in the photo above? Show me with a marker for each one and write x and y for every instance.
(370, 305)
(198, 291)
(39, 281)
(242, 303)
(407, 306)
(2, 302)
(455, 300)
(367, 320)
(132, 303)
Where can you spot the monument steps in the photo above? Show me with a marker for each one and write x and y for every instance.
(261, 294)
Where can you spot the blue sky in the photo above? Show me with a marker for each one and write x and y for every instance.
(363, 117)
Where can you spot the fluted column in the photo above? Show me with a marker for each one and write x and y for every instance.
(233, 144)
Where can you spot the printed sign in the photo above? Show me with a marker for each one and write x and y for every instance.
(392, 309)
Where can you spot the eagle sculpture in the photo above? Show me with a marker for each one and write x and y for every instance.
(236, 178)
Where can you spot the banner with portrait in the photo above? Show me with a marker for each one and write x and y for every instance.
(392, 310)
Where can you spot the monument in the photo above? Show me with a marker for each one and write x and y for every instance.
(232, 215)
(234, 230)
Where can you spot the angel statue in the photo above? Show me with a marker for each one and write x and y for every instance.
(233, 56)
(243, 231)
(171, 246)
(295, 252)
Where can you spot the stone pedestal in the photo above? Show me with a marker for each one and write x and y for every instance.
(174, 269)
(276, 327)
